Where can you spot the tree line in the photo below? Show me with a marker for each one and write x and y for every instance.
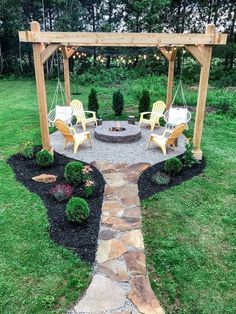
(110, 16)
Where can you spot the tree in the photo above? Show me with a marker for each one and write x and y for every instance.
(144, 101)
(118, 102)
(93, 101)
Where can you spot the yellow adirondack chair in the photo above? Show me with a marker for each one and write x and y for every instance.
(157, 112)
(78, 111)
(71, 136)
(162, 141)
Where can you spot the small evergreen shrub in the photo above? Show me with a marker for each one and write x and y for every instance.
(188, 159)
(77, 210)
(44, 158)
(27, 150)
(93, 101)
(160, 178)
(61, 192)
(74, 172)
(173, 166)
(144, 101)
(118, 102)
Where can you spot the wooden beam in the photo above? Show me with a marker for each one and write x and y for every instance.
(197, 53)
(122, 39)
(40, 85)
(48, 51)
(67, 52)
(67, 80)
(202, 94)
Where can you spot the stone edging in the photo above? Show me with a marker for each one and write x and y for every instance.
(120, 282)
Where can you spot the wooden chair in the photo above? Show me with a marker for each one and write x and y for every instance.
(162, 141)
(71, 136)
(78, 111)
(157, 112)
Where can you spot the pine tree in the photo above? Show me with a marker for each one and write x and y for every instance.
(144, 101)
(118, 102)
(93, 104)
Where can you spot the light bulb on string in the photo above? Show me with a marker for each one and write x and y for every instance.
(73, 56)
(144, 57)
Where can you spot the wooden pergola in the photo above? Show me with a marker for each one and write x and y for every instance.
(198, 45)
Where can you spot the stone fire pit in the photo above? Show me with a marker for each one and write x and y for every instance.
(114, 132)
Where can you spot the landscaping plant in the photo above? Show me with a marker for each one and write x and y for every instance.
(93, 101)
(61, 192)
(44, 158)
(89, 187)
(173, 166)
(74, 172)
(160, 178)
(27, 150)
(118, 102)
(77, 210)
(144, 101)
(188, 158)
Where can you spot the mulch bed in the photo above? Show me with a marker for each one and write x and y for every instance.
(147, 188)
(82, 239)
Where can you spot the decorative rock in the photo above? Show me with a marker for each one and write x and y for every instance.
(132, 212)
(45, 178)
(143, 297)
(136, 262)
(114, 269)
(107, 234)
(103, 294)
(115, 179)
(128, 190)
(122, 224)
(139, 167)
(112, 208)
(134, 238)
(110, 249)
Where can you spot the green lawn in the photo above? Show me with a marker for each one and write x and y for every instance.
(189, 230)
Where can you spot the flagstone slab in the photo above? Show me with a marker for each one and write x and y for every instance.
(103, 294)
(121, 224)
(114, 269)
(107, 234)
(134, 238)
(110, 249)
(136, 263)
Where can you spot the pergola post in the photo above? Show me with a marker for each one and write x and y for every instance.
(206, 52)
(67, 53)
(38, 48)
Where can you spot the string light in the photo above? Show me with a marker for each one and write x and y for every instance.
(144, 57)
(73, 56)
(184, 51)
(157, 57)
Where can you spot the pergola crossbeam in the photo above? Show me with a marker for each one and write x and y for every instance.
(48, 51)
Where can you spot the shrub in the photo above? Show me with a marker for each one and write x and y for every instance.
(188, 158)
(118, 103)
(77, 210)
(173, 166)
(160, 178)
(44, 158)
(144, 101)
(61, 192)
(93, 101)
(89, 187)
(27, 150)
(74, 172)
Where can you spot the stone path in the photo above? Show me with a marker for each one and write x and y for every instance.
(120, 281)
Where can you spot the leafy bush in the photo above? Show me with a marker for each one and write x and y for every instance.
(93, 101)
(89, 187)
(77, 210)
(144, 101)
(188, 158)
(173, 166)
(74, 172)
(61, 192)
(118, 102)
(160, 178)
(27, 150)
(44, 158)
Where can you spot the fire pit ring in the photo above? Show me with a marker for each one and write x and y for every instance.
(109, 132)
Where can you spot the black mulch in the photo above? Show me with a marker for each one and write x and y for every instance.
(147, 188)
(81, 239)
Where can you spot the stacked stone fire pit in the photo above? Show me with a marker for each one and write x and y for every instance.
(117, 132)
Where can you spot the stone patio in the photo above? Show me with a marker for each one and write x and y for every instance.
(129, 153)
(120, 281)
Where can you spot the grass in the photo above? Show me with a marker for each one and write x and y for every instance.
(189, 230)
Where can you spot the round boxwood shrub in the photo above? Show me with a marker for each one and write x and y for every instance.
(74, 172)
(44, 158)
(77, 210)
(173, 166)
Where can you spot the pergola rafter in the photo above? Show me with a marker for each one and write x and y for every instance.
(199, 45)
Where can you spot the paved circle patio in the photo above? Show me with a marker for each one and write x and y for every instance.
(129, 153)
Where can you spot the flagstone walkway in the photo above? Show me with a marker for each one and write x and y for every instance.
(120, 281)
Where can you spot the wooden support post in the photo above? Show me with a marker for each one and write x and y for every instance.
(66, 55)
(38, 48)
(202, 94)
